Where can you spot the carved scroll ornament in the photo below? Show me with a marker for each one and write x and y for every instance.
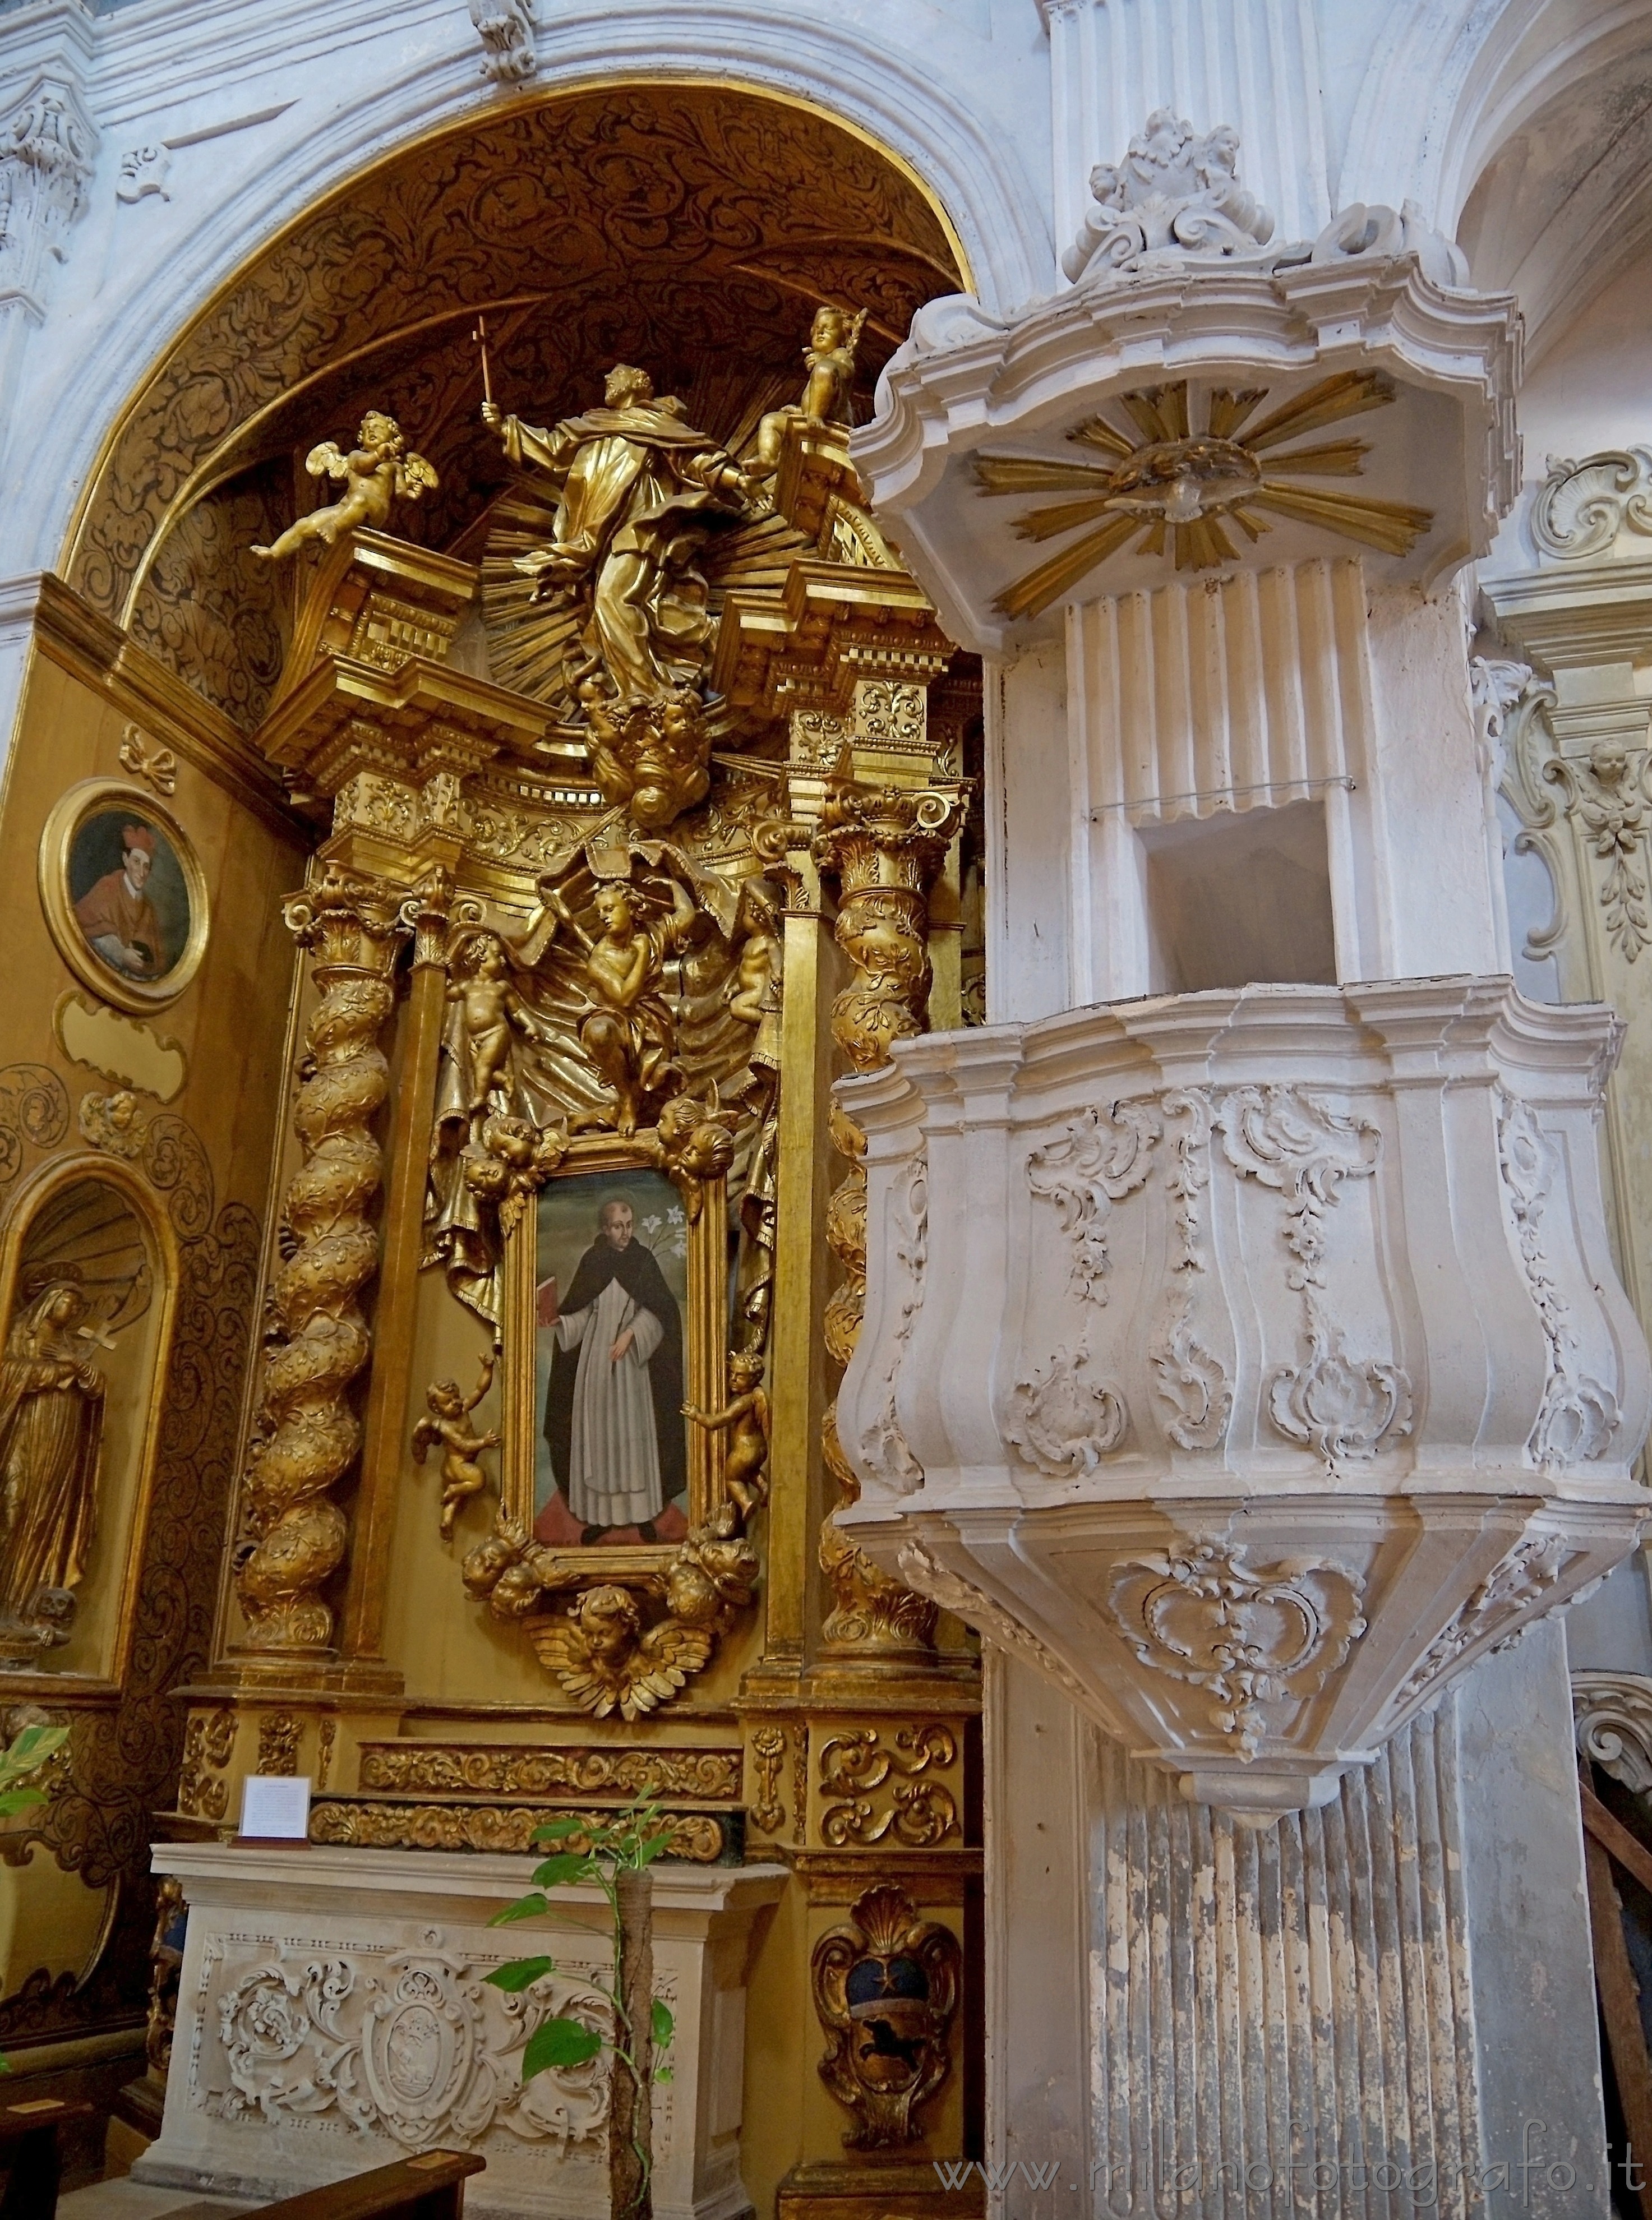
(1613, 1713)
(1250, 1636)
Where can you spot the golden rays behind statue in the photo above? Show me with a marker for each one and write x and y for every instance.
(1169, 485)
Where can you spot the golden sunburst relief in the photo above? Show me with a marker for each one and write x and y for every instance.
(1167, 477)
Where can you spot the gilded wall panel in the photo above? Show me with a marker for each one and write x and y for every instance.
(107, 1184)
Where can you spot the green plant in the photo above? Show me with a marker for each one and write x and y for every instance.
(616, 1858)
(28, 1751)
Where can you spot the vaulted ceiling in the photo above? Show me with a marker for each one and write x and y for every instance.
(688, 229)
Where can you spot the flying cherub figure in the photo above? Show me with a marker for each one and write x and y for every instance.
(744, 1418)
(449, 1423)
(374, 472)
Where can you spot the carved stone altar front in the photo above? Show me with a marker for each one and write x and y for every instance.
(331, 2017)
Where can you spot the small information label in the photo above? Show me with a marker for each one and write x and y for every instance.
(275, 1808)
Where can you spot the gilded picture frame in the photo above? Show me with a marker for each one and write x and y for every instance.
(153, 934)
(549, 1244)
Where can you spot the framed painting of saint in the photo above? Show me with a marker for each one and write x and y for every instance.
(124, 894)
(617, 1309)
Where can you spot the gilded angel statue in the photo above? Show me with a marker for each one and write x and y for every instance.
(448, 1424)
(605, 1661)
(374, 472)
(829, 359)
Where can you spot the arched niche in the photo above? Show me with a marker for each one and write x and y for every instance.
(88, 1222)
(689, 227)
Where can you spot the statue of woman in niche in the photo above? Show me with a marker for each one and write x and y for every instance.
(51, 1430)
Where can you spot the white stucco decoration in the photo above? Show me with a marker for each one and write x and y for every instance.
(1377, 292)
(1267, 1365)
(1177, 192)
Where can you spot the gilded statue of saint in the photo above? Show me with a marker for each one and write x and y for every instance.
(638, 489)
(51, 1429)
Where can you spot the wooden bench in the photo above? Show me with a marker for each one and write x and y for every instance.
(428, 2187)
(28, 2149)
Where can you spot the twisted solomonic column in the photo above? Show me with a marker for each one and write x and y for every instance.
(884, 848)
(307, 1433)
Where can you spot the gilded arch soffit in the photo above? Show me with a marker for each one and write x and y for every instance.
(681, 226)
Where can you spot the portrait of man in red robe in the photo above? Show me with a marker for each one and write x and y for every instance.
(117, 916)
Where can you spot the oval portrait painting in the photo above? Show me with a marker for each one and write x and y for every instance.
(123, 894)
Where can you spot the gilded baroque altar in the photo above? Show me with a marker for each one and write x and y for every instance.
(635, 831)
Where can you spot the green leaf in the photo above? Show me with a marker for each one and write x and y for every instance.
(556, 1830)
(663, 2073)
(520, 1973)
(661, 2023)
(654, 1847)
(559, 2041)
(567, 1865)
(19, 1799)
(526, 1907)
(31, 1749)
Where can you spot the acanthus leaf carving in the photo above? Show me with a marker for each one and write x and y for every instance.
(1100, 1159)
(1176, 194)
(1249, 1636)
(505, 27)
(1338, 1405)
(1499, 1606)
(1578, 1416)
(1063, 1420)
(1296, 1142)
(882, 1443)
(48, 145)
(1607, 795)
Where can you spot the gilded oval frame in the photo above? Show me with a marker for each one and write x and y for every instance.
(68, 814)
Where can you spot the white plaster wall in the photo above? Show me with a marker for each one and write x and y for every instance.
(1592, 390)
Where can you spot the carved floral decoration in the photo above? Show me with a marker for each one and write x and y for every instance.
(1578, 1416)
(416, 2047)
(1296, 1141)
(1251, 1636)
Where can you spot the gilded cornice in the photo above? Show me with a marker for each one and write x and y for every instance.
(87, 645)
